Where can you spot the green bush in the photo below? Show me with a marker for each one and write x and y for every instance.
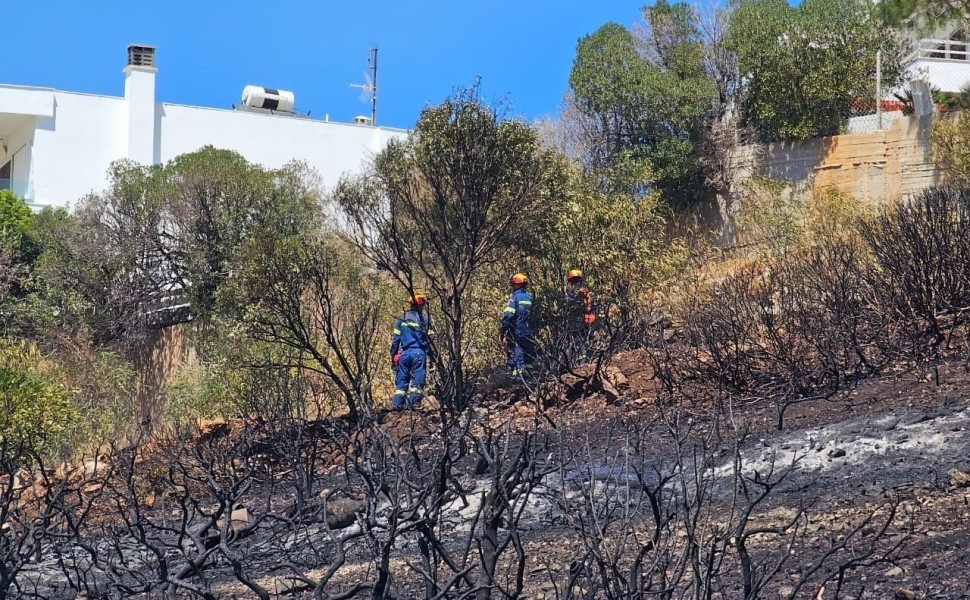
(950, 150)
(37, 407)
(16, 220)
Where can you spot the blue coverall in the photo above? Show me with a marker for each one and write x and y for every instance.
(412, 332)
(517, 331)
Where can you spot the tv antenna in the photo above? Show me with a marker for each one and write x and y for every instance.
(369, 87)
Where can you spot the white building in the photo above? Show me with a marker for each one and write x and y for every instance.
(943, 59)
(56, 146)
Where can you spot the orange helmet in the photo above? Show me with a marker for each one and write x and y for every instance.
(518, 279)
(574, 274)
(418, 298)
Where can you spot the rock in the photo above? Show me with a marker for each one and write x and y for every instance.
(241, 524)
(430, 404)
(572, 382)
(905, 594)
(338, 513)
(287, 585)
(240, 520)
(914, 419)
(837, 453)
(342, 512)
(612, 394)
(958, 478)
(617, 379)
(889, 424)
(92, 488)
(894, 572)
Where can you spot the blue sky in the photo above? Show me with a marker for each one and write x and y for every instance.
(209, 49)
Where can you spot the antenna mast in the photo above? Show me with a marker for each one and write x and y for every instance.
(372, 63)
(370, 84)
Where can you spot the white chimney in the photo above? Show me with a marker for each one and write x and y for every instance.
(140, 96)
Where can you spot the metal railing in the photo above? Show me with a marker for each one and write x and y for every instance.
(928, 48)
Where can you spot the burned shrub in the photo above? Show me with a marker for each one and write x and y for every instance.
(921, 254)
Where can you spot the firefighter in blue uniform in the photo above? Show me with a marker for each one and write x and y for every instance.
(410, 344)
(516, 331)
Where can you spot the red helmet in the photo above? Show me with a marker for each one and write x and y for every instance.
(518, 279)
(574, 274)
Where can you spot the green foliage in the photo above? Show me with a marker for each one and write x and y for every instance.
(619, 241)
(312, 307)
(649, 112)
(170, 234)
(62, 393)
(896, 13)
(105, 395)
(923, 16)
(444, 204)
(37, 408)
(16, 220)
(775, 220)
(200, 391)
(950, 149)
(804, 66)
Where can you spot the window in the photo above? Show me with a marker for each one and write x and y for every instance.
(5, 173)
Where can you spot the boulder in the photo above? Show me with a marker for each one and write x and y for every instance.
(337, 513)
(240, 521)
(241, 524)
(284, 585)
(958, 478)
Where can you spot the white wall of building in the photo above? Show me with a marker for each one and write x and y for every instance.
(270, 140)
(944, 75)
(66, 142)
(73, 150)
(140, 101)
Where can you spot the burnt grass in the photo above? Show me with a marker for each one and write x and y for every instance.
(893, 438)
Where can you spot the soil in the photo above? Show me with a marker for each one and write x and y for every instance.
(904, 438)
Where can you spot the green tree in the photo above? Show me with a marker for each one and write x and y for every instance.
(157, 246)
(652, 102)
(924, 15)
(311, 299)
(443, 203)
(16, 248)
(648, 100)
(803, 67)
(16, 220)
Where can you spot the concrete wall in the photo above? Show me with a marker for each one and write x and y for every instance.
(876, 167)
(164, 353)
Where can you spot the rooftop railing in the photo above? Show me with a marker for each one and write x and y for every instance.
(930, 48)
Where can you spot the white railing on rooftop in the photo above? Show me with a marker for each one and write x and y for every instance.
(929, 48)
